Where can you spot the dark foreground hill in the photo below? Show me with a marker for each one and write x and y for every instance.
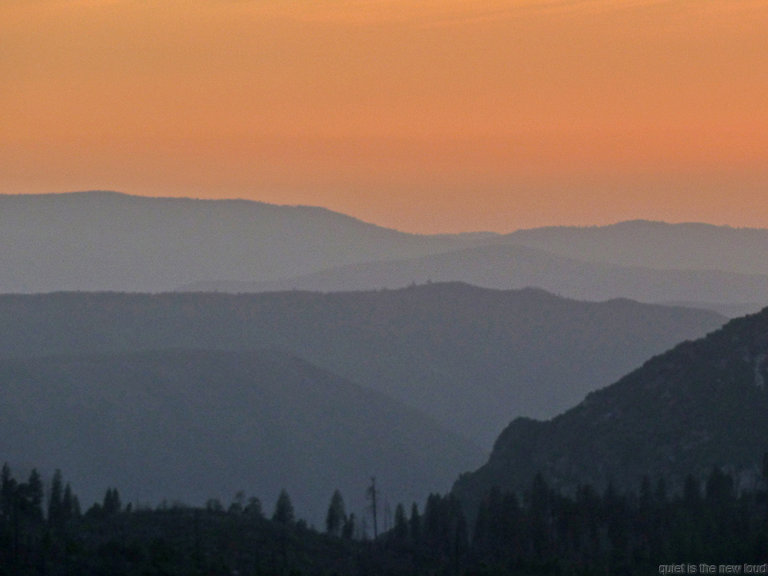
(700, 405)
(544, 534)
(110, 241)
(193, 425)
(470, 358)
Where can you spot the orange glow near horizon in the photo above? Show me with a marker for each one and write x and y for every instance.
(427, 116)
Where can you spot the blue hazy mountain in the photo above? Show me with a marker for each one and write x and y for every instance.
(516, 266)
(470, 358)
(647, 244)
(188, 425)
(109, 241)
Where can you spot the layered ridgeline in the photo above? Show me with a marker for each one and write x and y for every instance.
(645, 244)
(110, 241)
(470, 358)
(700, 405)
(191, 425)
(506, 266)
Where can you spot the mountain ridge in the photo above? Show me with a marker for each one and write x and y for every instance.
(472, 358)
(654, 244)
(112, 241)
(503, 266)
(104, 240)
(190, 425)
(700, 404)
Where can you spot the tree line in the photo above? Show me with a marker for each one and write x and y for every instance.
(537, 531)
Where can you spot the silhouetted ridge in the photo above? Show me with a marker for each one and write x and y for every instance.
(701, 404)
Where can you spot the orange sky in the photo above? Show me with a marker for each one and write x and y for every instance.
(423, 115)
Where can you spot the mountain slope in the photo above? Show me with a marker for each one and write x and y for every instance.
(192, 425)
(471, 358)
(511, 266)
(701, 404)
(110, 241)
(640, 243)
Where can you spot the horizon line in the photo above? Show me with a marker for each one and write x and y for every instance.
(606, 224)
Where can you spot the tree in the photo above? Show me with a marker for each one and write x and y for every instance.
(283, 509)
(253, 508)
(719, 487)
(70, 504)
(691, 493)
(372, 495)
(238, 503)
(348, 530)
(765, 467)
(35, 495)
(112, 504)
(337, 515)
(7, 491)
(56, 500)
(415, 523)
(401, 524)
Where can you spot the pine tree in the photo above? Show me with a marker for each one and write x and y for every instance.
(7, 490)
(415, 523)
(56, 500)
(253, 508)
(69, 505)
(35, 494)
(719, 487)
(401, 524)
(283, 509)
(111, 505)
(348, 530)
(372, 494)
(336, 516)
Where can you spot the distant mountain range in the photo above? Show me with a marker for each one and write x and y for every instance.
(702, 404)
(506, 266)
(111, 368)
(189, 425)
(469, 358)
(95, 241)
(109, 241)
(645, 244)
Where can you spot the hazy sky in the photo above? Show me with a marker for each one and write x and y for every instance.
(424, 115)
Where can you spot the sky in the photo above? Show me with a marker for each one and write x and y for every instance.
(422, 115)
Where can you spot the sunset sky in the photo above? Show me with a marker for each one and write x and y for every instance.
(422, 115)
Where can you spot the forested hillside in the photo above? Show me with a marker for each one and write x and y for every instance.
(702, 404)
(541, 532)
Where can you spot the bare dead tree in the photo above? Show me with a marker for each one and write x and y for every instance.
(372, 496)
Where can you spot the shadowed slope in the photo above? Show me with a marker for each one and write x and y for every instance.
(471, 358)
(701, 404)
(192, 425)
